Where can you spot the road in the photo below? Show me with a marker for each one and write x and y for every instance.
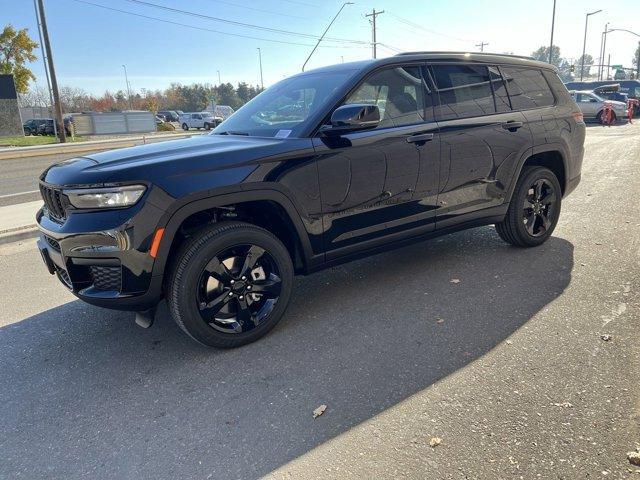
(507, 365)
(19, 176)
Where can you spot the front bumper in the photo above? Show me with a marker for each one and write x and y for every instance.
(103, 256)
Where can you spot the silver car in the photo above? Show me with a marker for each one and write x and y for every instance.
(591, 105)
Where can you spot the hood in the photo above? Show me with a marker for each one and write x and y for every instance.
(198, 160)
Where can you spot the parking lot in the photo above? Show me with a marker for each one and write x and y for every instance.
(523, 362)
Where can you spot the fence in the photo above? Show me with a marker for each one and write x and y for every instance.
(114, 123)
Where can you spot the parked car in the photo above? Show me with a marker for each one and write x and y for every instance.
(592, 105)
(46, 127)
(170, 115)
(31, 127)
(377, 154)
(199, 120)
(160, 119)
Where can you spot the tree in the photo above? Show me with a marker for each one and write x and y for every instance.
(16, 49)
(542, 54)
(588, 62)
(636, 56)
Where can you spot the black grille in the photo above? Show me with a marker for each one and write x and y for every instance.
(53, 200)
(52, 243)
(106, 278)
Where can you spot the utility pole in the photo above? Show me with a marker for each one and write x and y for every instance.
(219, 81)
(54, 82)
(44, 61)
(481, 45)
(126, 79)
(604, 52)
(584, 43)
(601, 62)
(260, 58)
(373, 16)
(553, 24)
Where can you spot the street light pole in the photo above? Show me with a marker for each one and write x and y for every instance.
(584, 43)
(261, 78)
(126, 79)
(46, 70)
(553, 24)
(54, 82)
(219, 80)
(324, 33)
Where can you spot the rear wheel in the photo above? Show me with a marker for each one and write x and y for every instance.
(230, 285)
(207, 126)
(534, 209)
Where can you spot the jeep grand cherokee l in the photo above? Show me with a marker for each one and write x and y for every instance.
(321, 168)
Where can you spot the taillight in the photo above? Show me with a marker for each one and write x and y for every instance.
(578, 116)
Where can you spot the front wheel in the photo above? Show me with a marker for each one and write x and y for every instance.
(207, 126)
(534, 209)
(185, 127)
(230, 285)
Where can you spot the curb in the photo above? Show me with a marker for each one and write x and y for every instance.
(19, 233)
(90, 146)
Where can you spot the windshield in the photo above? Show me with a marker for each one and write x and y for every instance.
(282, 110)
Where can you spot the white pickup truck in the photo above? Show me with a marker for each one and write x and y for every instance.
(199, 120)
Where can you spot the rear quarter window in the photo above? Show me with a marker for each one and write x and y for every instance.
(527, 88)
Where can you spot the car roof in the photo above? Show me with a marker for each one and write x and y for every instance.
(467, 57)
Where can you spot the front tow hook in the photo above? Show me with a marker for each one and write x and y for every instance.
(145, 318)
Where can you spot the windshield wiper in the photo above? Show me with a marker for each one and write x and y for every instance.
(234, 132)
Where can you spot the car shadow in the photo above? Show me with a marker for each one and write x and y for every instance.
(84, 392)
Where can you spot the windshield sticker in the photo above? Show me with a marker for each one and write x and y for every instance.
(283, 133)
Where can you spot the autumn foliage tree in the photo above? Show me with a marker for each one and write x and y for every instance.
(16, 49)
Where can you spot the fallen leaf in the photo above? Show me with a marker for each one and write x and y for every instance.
(319, 411)
(435, 441)
(454, 280)
(606, 337)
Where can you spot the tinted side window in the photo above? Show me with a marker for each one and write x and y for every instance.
(399, 93)
(499, 90)
(465, 91)
(527, 88)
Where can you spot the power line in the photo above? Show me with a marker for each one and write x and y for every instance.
(238, 5)
(302, 3)
(240, 24)
(420, 27)
(211, 30)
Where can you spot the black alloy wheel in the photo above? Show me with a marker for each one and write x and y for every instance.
(238, 288)
(230, 284)
(539, 205)
(534, 208)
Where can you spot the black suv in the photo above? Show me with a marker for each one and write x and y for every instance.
(323, 167)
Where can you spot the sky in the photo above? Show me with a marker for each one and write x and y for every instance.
(90, 44)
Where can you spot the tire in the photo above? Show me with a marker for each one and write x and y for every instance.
(601, 122)
(27, 132)
(192, 276)
(518, 228)
(185, 127)
(207, 126)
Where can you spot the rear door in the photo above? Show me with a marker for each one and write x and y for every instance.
(482, 139)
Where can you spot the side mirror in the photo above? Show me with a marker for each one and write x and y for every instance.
(348, 118)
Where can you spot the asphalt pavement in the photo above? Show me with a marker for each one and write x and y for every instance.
(523, 362)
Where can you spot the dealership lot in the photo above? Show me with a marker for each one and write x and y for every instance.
(524, 363)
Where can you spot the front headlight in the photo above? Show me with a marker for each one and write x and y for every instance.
(109, 197)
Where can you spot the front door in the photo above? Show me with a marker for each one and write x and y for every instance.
(381, 184)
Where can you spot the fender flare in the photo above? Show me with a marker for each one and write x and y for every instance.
(547, 147)
(172, 220)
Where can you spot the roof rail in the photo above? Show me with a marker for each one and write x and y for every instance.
(463, 53)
